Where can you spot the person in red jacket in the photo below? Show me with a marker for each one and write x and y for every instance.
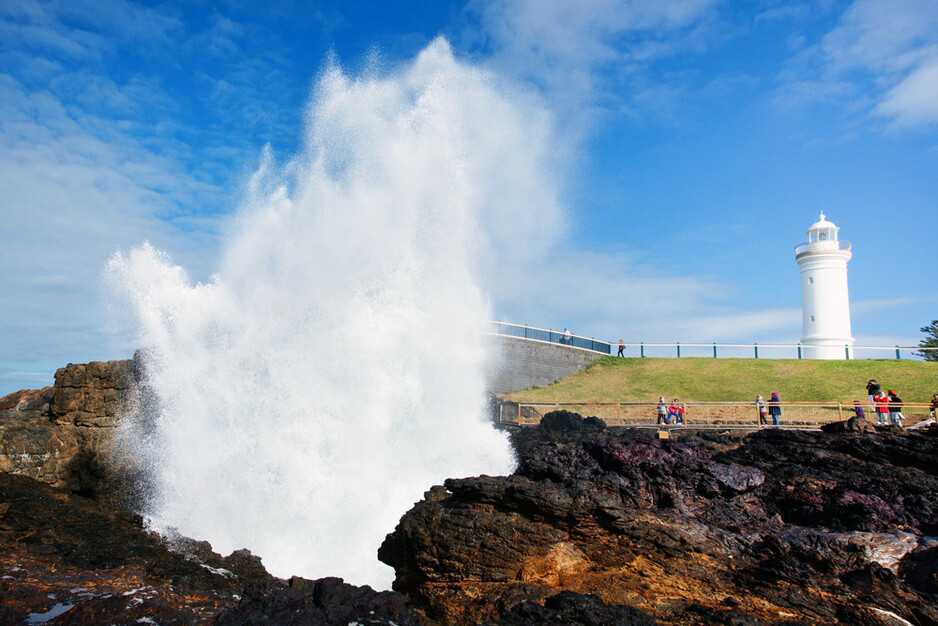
(882, 409)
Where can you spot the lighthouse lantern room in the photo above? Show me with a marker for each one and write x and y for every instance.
(825, 300)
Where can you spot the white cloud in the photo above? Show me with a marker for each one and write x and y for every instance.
(881, 57)
(914, 101)
(572, 50)
(610, 297)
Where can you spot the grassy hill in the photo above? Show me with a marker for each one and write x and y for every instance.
(611, 379)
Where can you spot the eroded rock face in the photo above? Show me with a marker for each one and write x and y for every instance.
(783, 526)
(92, 394)
(62, 435)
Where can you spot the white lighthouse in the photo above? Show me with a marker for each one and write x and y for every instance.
(825, 305)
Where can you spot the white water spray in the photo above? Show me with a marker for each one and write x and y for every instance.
(334, 368)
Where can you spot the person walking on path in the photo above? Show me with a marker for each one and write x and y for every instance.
(882, 409)
(775, 410)
(662, 410)
(895, 408)
(763, 411)
(621, 348)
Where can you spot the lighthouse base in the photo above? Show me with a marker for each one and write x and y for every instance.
(830, 349)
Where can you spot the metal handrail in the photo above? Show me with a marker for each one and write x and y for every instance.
(552, 336)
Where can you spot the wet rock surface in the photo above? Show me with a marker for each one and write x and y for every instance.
(775, 527)
(66, 559)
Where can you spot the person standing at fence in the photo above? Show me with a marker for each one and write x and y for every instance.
(882, 409)
(872, 390)
(858, 410)
(775, 410)
(677, 410)
(621, 348)
(763, 411)
(567, 338)
(895, 408)
(673, 412)
(934, 407)
(662, 409)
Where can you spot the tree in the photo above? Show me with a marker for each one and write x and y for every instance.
(930, 341)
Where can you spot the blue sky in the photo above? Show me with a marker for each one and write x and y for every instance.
(695, 142)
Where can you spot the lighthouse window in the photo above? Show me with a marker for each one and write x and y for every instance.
(812, 318)
(811, 279)
(822, 236)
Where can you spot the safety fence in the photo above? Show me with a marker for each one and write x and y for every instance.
(704, 414)
(771, 351)
(710, 350)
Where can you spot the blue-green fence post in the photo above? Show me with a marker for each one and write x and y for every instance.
(714, 349)
(898, 356)
(678, 349)
(756, 346)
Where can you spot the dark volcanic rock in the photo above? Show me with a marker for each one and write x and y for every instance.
(782, 527)
(325, 602)
(573, 609)
(62, 550)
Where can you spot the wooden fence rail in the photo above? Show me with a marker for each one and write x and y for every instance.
(704, 414)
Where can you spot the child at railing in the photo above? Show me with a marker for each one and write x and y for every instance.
(858, 410)
(677, 410)
(762, 409)
(662, 408)
(895, 408)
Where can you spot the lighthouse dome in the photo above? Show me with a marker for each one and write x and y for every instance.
(822, 230)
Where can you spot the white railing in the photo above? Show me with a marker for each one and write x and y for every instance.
(768, 350)
(823, 246)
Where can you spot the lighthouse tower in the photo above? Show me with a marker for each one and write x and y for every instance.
(825, 305)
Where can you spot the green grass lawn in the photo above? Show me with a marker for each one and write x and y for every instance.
(611, 379)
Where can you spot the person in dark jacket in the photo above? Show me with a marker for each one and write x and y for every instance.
(775, 410)
(934, 406)
(872, 389)
(895, 408)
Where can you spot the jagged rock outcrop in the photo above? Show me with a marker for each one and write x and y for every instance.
(65, 555)
(62, 435)
(781, 527)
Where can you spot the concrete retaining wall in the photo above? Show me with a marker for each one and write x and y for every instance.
(519, 363)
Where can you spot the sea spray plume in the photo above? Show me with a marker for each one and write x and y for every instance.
(333, 369)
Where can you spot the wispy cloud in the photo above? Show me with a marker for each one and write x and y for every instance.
(881, 58)
(573, 51)
(108, 140)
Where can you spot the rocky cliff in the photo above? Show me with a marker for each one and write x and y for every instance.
(596, 526)
(781, 527)
(62, 435)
